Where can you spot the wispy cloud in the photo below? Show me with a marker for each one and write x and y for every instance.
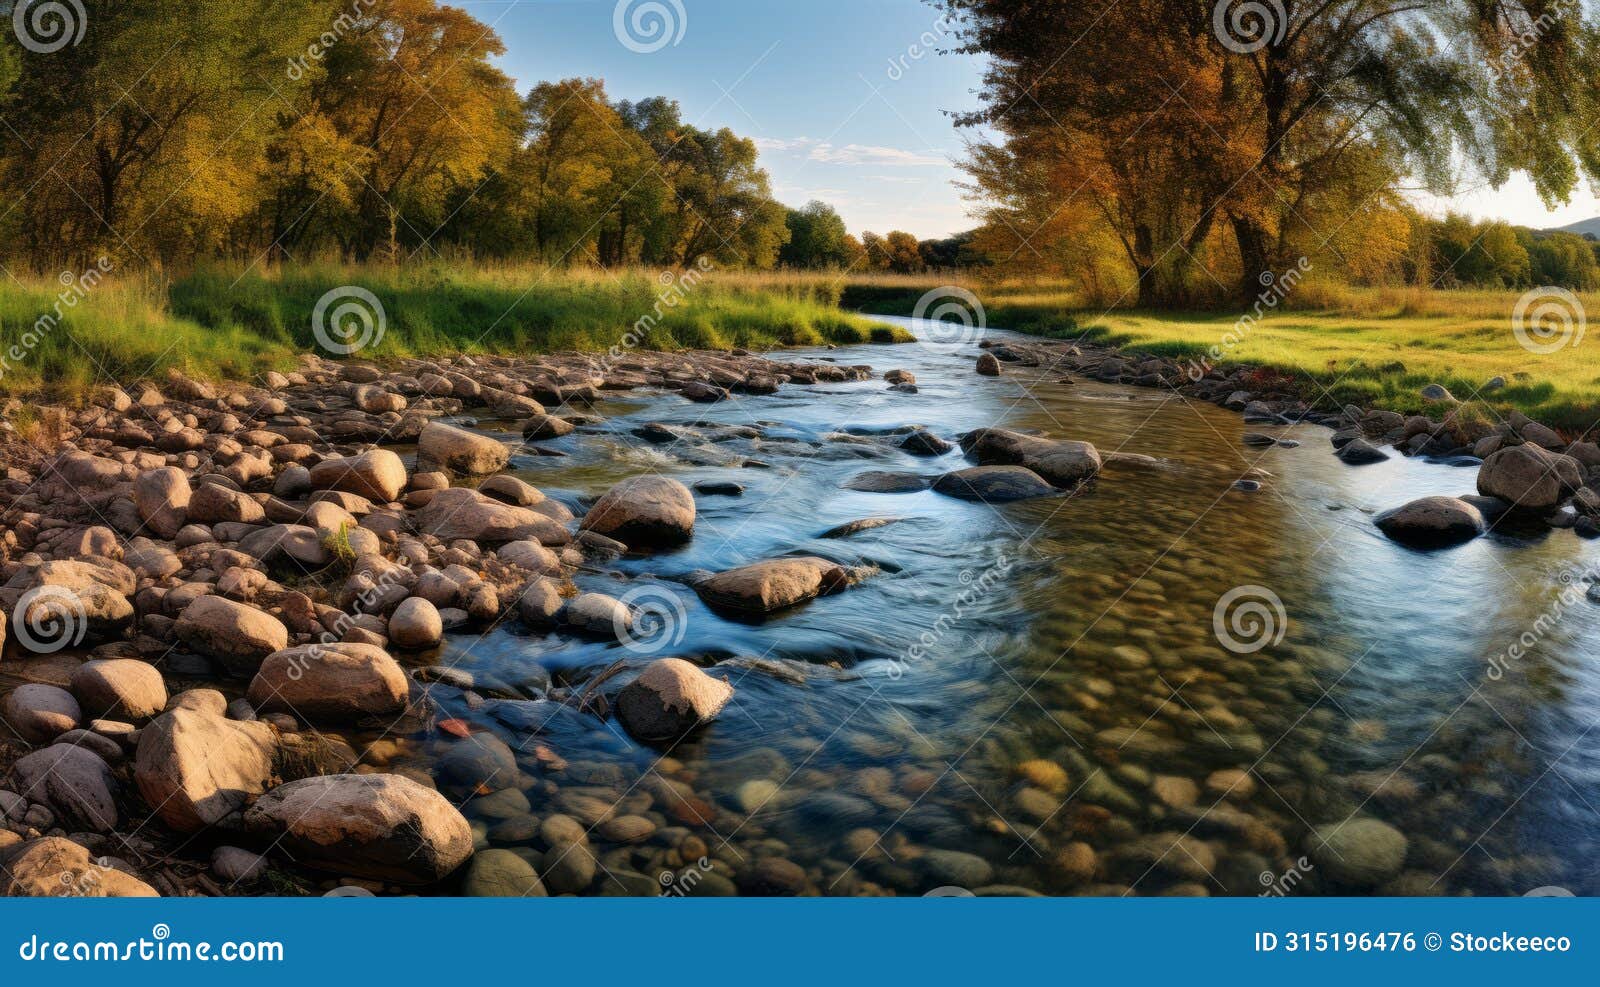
(850, 154)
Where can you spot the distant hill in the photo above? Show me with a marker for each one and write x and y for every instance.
(1588, 227)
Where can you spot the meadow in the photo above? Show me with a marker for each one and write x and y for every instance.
(1376, 347)
(60, 336)
(1371, 346)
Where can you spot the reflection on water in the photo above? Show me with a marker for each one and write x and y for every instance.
(1046, 695)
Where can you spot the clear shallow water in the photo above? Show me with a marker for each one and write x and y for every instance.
(1040, 686)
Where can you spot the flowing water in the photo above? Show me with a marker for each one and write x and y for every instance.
(1159, 684)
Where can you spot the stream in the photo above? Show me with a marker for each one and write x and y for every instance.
(1159, 684)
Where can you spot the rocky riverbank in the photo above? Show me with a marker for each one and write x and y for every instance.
(206, 588)
(227, 603)
(1530, 474)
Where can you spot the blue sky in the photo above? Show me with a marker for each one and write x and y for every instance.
(835, 92)
(809, 80)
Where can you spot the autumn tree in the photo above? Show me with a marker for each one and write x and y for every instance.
(1292, 99)
(147, 139)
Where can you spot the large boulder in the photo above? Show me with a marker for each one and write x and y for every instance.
(994, 484)
(195, 768)
(236, 634)
(669, 699)
(460, 512)
(381, 827)
(162, 499)
(119, 689)
(1062, 463)
(53, 867)
(69, 601)
(1432, 522)
(460, 450)
(1529, 477)
(644, 510)
(330, 682)
(772, 585)
(376, 474)
(74, 781)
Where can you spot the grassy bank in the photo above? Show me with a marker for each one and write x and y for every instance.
(58, 337)
(1375, 347)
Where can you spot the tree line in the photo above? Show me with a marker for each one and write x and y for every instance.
(268, 130)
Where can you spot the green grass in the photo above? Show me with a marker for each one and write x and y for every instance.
(1375, 347)
(216, 323)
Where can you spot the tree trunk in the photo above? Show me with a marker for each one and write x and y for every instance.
(1255, 257)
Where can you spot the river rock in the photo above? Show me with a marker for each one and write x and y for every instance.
(68, 601)
(299, 542)
(161, 497)
(546, 427)
(1062, 463)
(39, 713)
(416, 625)
(236, 634)
(462, 451)
(765, 587)
(462, 513)
(884, 481)
(994, 484)
(1432, 522)
(644, 510)
(194, 768)
(988, 365)
(376, 474)
(237, 866)
(1359, 853)
(213, 503)
(501, 874)
(670, 698)
(74, 782)
(1360, 452)
(382, 827)
(337, 682)
(1529, 477)
(53, 867)
(955, 867)
(119, 689)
